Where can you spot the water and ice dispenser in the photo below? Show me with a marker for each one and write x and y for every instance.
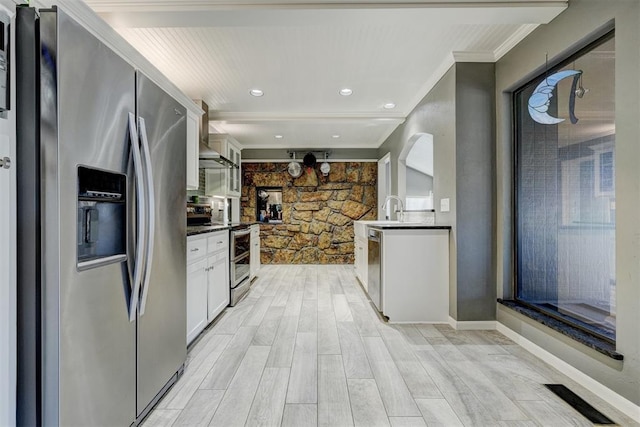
(102, 215)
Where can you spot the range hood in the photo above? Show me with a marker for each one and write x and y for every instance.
(211, 159)
(208, 157)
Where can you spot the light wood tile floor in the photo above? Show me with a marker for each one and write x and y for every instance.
(305, 348)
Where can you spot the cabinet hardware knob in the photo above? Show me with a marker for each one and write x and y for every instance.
(195, 250)
(5, 163)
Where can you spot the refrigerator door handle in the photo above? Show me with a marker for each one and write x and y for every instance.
(140, 216)
(151, 213)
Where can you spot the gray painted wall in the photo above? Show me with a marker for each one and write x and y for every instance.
(475, 190)
(578, 23)
(418, 183)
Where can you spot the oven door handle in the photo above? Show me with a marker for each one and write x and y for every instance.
(241, 233)
(241, 257)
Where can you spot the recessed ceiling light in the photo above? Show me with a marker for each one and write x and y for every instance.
(336, 136)
(256, 92)
(389, 105)
(346, 91)
(278, 136)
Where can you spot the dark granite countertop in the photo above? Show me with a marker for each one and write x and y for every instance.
(580, 336)
(410, 227)
(193, 230)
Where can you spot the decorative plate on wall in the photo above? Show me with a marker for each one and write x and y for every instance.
(294, 168)
(325, 168)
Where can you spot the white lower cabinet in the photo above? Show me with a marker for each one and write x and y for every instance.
(254, 257)
(218, 283)
(196, 298)
(414, 280)
(361, 260)
(361, 257)
(207, 280)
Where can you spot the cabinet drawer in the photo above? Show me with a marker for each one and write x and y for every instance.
(360, 229)
(218, 241)
(221, 256)
(196, 248)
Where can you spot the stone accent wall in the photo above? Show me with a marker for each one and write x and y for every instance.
(317, 211)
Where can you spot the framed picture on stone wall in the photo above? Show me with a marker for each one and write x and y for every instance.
(269, 204)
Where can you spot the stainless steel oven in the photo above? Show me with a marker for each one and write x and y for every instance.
(240, 255)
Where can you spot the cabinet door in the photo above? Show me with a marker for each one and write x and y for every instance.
(218, 282)
(361, 267)
(254, 261)
(234, 174)
(192, 151)
(237, 181)
(255, 251)
(196, 298)
(215, 182)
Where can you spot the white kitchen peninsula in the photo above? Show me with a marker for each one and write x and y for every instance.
(413, 272)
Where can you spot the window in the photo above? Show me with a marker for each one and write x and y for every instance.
(565, 191)
(269, 204)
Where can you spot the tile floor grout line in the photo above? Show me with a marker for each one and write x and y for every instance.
(292, 285)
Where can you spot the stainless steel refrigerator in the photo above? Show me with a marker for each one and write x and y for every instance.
(102, 270)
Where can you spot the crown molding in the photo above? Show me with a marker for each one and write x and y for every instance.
(515, 38)
(442, 69)
(493, 56)
(470, 56)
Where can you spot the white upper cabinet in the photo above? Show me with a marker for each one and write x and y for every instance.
(193, 135)
(225, 182)
(234, 180)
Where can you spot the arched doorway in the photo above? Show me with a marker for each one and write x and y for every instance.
(415, 172)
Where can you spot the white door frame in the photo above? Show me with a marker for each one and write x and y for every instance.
(8, 280)
(384, 184)
(8, 341)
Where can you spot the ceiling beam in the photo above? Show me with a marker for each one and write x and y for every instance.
(207, 13)
(238, 117)
(200, 5)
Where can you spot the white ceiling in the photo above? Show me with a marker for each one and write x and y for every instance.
(302, 52)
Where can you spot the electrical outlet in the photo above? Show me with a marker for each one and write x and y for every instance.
(444, 205)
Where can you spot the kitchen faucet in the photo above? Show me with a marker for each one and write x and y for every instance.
(400, 203)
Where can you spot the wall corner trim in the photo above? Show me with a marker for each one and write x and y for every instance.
(477, 325)
(619, 402)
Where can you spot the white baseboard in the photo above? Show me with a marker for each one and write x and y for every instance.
(481, 325)
(426, 322)
(619, 402)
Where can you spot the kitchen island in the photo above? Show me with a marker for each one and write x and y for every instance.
(408, 271)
